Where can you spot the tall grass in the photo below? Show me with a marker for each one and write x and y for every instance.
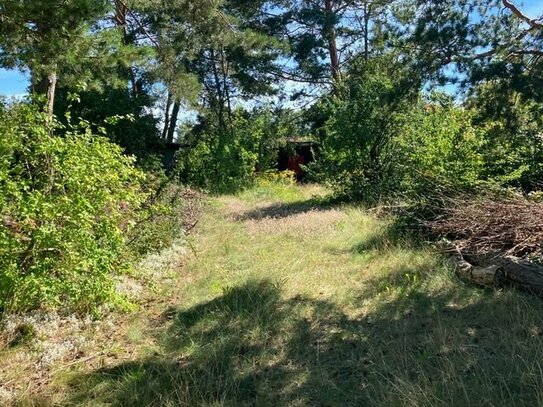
(292, 302)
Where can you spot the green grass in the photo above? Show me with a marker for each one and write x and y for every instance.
(289, 300)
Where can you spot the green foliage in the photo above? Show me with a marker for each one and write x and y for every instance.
(439, 148)
(377, 146)
(513, 125)
(228, 160)
(271, 177)
(379, 142)
(40, 35)
(225, 163)
(160, 221)
(65, 205)
(125, 120)
(364, 118)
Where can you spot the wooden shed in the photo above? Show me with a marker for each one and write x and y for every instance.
(295, 154)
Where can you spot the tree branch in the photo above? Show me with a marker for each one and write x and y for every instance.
(527, 52)
(533, 23)
(140, 25)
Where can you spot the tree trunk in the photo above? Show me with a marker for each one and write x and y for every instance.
(218, 89)
(46, 86)
(226, 91)
(173, 121)
(500, 272)
(121, 11)
(330, 34)
(51, 90)
(366, 30)
(489, 276)
(167, 117)
(523, 274)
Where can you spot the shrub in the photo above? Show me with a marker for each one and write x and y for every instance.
(380, 141)
(64, 205)
(161, 219)
(274, 177)
(439, 148)
(220, 162)
(226, 160)
(513, 125)
(364, 117)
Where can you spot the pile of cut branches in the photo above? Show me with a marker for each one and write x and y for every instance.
(496, 241)
(493, 225)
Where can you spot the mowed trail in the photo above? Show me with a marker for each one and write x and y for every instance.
(287, 299)
(314, 248)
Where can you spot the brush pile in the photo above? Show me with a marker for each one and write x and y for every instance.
(495, 241)
(493, 226)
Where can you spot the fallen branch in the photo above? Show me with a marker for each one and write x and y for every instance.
(490, 225)
(504, 271)
(489, 276)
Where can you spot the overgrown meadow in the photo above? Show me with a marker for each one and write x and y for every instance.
(258, 202)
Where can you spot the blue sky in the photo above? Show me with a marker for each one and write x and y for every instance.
(15, 83)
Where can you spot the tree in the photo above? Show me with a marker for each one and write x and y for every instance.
(42, 36)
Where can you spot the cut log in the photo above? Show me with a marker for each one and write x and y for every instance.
(523, 274)
(500, 272)
(489, 276)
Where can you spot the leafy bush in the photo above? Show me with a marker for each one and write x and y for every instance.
(160, 221)
(220, 166)
(364, 117)
(65, 203)
(438, 148)
(513, 126)
(271, 177)
(134, 129)
(379, 141)
(227, 160)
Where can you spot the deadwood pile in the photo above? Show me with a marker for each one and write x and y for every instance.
(494, 241)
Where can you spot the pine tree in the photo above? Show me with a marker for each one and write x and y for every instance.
(42, 36)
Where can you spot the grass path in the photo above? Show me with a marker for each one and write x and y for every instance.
(289, 302)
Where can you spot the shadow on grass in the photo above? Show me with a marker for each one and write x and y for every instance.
(253, 347)
(284, 210)
(388, 234)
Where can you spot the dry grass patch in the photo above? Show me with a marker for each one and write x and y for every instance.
(299, 224)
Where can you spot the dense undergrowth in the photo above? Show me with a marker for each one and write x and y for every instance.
(380, 142)
(291, 298)
(74, 212)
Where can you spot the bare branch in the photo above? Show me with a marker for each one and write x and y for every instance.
(533, 23)
(140, 25)
(528, 52)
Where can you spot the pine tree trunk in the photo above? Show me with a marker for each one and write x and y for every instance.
(120, 19)
(220, 96)
(167, 116)
(51, 90)
(173, 121)
(330, 34)
(366, 30)
(46, 86)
